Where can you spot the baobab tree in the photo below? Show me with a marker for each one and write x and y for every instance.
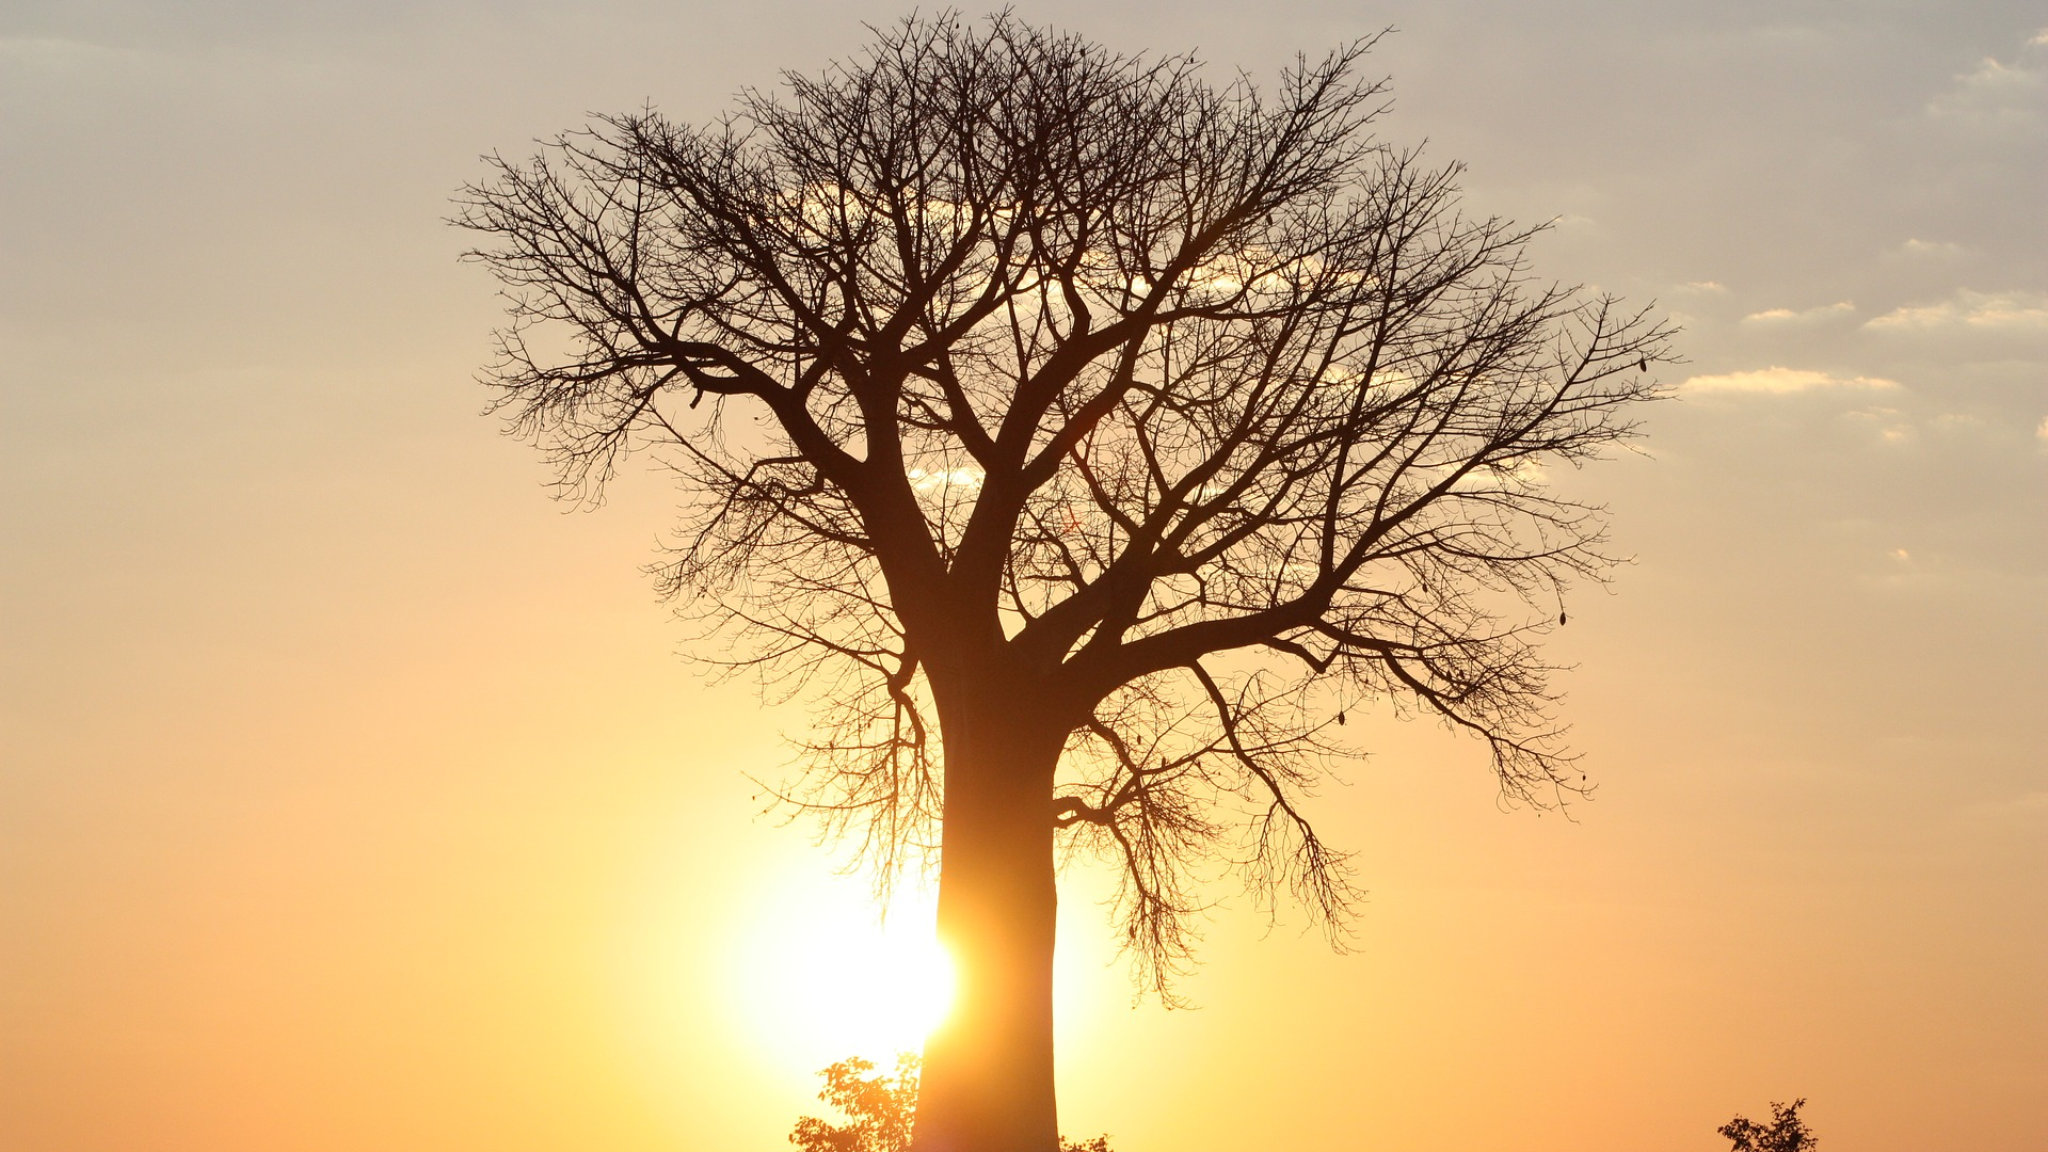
(1085, 438)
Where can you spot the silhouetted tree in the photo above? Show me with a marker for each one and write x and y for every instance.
(1096, 433)
(1785, 1133)
(879, 1111)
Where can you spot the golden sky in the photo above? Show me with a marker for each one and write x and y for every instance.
(353, 795)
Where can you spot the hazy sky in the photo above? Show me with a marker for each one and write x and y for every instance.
(352, 794)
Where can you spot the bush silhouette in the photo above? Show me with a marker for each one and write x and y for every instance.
(879, 1109)
(1785, 1133)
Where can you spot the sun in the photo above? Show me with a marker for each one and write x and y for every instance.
(818, 976)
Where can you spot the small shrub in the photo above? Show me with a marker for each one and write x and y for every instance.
(879, 1110)
(1785, 1133)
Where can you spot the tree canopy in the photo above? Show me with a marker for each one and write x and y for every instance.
(1153, 371)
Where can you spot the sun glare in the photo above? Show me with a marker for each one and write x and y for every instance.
(819, 978)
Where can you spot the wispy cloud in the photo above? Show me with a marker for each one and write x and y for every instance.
(1930, 249)
(1969, 311)
(1787, 316)
(1890, 424)
(933, 480)
(1778, 380)
(1992, 95)
(2041, 431)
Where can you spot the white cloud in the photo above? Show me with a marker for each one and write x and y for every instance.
(925, 480)
(1931, 249)
(1970, 311)
(1786, 316)
(1889, 424)
(2041, 433)
(1993, 78)
(2040, 38)
(1994, 95)
(1713, 286)
(1778, 380)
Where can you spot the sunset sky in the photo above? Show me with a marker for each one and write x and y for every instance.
(354, 794)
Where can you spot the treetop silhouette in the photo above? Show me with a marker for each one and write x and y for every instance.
(1785, 1133)
(1086, 439)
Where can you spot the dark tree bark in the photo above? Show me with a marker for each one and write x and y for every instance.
(1086, 439)
(988, 1083)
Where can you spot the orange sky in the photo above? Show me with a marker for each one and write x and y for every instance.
(352, 795)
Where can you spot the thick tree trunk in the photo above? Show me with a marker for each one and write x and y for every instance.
(987, 1083)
